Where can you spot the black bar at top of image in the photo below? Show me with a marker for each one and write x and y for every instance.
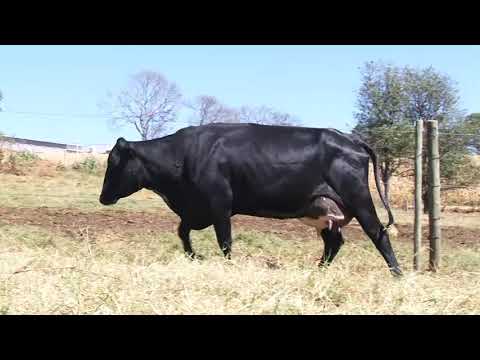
(240, 37)
(240, 23)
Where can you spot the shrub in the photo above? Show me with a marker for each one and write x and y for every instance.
(89, 165)
(26, 157)
(16, 162)
(13, 166)
(60, 167)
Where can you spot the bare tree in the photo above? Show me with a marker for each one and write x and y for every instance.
(265, 115)
(149, 103)
(284, 119)
(208, 109)
(256, 115)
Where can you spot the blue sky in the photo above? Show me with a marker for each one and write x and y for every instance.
(318, 84)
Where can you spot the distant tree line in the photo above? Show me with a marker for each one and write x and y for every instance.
(150, 102)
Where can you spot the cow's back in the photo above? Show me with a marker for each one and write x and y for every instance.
(270, 144)
(272, 170)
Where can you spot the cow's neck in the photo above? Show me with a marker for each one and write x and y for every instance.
(162, 165)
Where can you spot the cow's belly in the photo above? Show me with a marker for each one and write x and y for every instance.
(280, 189)
(281, 205)
(266, 212)
(320, 223)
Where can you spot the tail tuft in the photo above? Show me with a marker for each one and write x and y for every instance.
(392, 231)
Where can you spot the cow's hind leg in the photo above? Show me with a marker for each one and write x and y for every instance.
(372, 226)
(356, 194)
(333, 241)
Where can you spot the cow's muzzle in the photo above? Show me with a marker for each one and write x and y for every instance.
(105, 201)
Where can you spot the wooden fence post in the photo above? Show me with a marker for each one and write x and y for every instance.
(434, 194)
(418, 195)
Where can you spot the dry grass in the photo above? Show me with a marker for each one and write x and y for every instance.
(69, 158)
(402, 193)
(466, 197)
(67, 189)
(268, 275)
(469, 220)
(44, 272)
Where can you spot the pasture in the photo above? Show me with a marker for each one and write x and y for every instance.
(62, 252)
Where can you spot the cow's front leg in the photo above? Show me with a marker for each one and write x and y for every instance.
(221, 207)
(184, 234)
(223, 231)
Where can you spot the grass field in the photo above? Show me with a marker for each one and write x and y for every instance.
(61, 252)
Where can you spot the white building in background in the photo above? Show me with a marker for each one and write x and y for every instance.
(38, 146)
(100, 148)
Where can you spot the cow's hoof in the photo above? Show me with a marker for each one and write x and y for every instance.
(227, 259)
(321, 264)
(194, 256)
(396, 272)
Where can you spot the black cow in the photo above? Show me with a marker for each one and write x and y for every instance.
(206, 174)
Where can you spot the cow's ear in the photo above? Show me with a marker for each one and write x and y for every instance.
(122, 144)
(125, 147)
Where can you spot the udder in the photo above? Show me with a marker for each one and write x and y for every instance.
(325, 213)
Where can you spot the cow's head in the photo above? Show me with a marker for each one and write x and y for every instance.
(124, 173)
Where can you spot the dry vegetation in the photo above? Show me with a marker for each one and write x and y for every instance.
(402, 192)
(61, 252)
(268, 275)
(69, 158)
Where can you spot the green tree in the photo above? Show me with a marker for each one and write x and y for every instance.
(472, 127)
(382, 104)
(433, 95)
(390, 101)
(459, 140)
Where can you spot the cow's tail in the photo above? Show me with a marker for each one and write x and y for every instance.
(373, 156)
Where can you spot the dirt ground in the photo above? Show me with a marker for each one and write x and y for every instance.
(73, 222)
